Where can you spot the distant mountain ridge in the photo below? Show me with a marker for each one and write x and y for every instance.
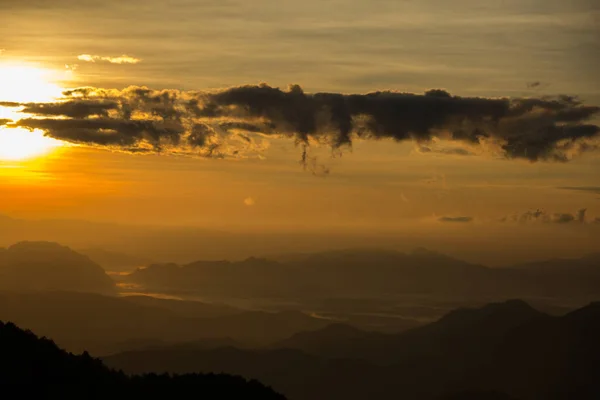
(373, 273)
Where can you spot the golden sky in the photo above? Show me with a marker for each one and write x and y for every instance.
(482, 50)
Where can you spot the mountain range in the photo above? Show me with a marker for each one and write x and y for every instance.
(500, 351)
(373, 274)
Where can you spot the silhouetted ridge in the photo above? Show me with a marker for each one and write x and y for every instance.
(591, 312)
(40, 364)
(512, 308)
(502, 351)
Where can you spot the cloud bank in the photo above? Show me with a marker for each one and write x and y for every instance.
(238, 121)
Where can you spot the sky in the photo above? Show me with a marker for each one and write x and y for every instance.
(486, 114)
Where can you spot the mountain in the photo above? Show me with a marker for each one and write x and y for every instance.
(106, 324)
(365, 272)
(251, 277)
(501, 351)
(374, 274)
(50, 266)
(577, 277)
(451, 336)
(38, 365)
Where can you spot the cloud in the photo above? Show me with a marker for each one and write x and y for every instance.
(124, 59)
(238, 121)
(72, 109)
(249, 201)
(456, 219)
(9, 104)
(4, 121)
(458, 151)
(540, 216)
(590, 189)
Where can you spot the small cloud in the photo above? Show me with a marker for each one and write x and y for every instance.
(456, 219)
(124, 59)
(404, 198)
(534, 84)
(249, 201)
(456, 151)
(562, 218)
(544, 217)
(87, 58)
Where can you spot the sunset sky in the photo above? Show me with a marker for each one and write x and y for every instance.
(511, 128)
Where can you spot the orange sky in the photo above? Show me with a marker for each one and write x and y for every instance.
(469, 48)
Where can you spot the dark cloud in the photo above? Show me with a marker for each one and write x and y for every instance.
(455, 219)
(534, 84)
(107, 131)
(4, 121)
(546, 128)
(72, 109)
(591, 189)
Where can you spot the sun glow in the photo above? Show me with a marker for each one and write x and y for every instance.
(27, 83)
(20, 144)
(24, 83)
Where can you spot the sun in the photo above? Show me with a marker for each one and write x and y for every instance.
(20, 144)
(27, 83)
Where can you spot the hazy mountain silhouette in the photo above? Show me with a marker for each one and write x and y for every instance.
(38, 364)
(500, 351)
(364, 271)
(452, 335)
(50, 266)
(103, 324)
(372, 274)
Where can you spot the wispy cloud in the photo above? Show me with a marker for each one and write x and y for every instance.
(460, 219)
(124, 59)
(590, 189)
